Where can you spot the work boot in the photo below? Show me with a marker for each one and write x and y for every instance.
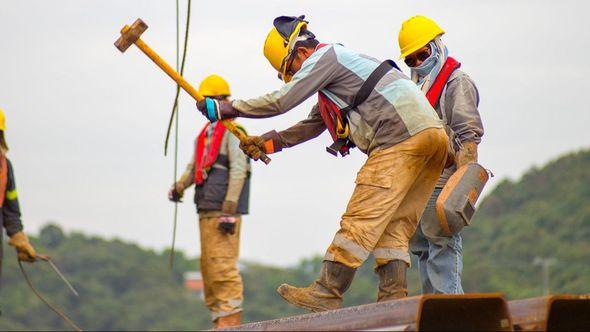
(323, 294)
(392, 281)
(228, 321)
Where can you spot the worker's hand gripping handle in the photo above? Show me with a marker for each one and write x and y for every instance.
(241, 136)
(131, 35)
(230, 126)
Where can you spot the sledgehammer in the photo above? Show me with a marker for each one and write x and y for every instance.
(130, 35)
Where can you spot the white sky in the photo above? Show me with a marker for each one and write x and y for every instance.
(86, 123)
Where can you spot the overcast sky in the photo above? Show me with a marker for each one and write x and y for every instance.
(86, 123)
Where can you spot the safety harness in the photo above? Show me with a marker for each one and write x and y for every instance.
(336, 119)
(204, 162)
(436, 89)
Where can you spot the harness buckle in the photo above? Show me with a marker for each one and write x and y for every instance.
(342, 131)
(337, 147)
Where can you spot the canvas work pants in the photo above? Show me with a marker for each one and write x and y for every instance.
(219, 267)
(392, 189)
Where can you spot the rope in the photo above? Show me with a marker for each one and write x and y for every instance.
(175, 106)
(60, 313)
(174, 116)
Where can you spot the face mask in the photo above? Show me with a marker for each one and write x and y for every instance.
(426, 67)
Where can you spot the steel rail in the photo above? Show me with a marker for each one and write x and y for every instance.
(482, 312)
(551, 313)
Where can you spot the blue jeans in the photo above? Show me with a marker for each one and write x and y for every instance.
(440, 259)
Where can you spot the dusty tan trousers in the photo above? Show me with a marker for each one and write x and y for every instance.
(219, 267)
(392, 189)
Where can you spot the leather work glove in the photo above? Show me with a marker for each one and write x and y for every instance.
(214, 109)
(176, 192)
(467, 154)
(227, 221)
(252, 146)
(227, 225)
(24, 249)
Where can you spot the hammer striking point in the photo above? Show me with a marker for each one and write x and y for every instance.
(130, 35)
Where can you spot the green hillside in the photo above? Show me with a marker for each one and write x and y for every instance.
(125, 287)
(544, 214)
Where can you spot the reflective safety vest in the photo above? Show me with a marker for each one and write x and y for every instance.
(212, 172)
(336, 119)
(3, 179)
(436, 89)
(207, 149)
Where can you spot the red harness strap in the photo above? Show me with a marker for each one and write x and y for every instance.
(204, 162)
(327, 111)
(436, 89)
(330, 113)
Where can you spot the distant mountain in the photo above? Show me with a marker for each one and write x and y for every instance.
(124, 287)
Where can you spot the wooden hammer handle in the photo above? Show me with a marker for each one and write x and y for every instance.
(186, 86)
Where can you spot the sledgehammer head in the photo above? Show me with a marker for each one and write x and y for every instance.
(130, 35)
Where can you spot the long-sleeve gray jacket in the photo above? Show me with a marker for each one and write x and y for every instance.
(393, 112)
(460, 100)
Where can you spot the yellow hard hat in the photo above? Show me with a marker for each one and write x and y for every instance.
(415, 33)
(214, 85)
(280, 41)
(2, 120)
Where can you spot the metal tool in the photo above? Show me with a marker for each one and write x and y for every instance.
(55, 309)
(131, 35)
(47, 259)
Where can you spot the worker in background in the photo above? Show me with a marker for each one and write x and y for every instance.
(455, 98)
(362, 103)
(221, 174)
(11, 218)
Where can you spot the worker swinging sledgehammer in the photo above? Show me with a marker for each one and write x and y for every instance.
(364, 103)
(455, 97)
(221, 174)
(131, 35)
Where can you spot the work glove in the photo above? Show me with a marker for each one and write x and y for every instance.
(253, 146)
(227, 224)
(24, 249)
(466, 154)
(215, 110)
(176, 192)
(227, 221)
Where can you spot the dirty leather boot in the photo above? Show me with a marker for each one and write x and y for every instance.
(228, 321)
(323, 294)
(392, 281)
